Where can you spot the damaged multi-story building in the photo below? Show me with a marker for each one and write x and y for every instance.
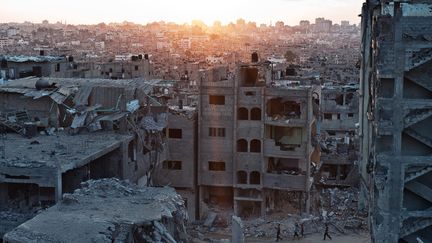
(15, 67)
(257, 139)
(340, 116)
(179, 170)
(135, 66)
(57, 133)
(396, 118)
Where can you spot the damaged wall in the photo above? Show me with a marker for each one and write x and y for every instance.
(396, 100)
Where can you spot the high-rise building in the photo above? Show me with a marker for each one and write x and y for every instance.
(396, 118)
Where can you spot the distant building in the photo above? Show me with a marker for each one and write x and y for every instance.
(14, 67)
(323, 25)
(6, 42)
(280, 25)
(135, 66)
(345, 23)
(304, 23)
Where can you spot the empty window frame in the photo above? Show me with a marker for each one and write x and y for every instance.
(172, 165)
(216, 100)
(175, 133)
(216, 132)
(216, 165)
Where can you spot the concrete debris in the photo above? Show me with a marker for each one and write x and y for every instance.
(158, 124)
(339, 206)
(109, 210)
(132, 106)
(211, 217)
(12, 218)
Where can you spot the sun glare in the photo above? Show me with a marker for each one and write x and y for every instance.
(179, 11)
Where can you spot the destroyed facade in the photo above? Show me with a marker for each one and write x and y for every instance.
(339, 143)
(257, 139)
(395, 119)
(57, 133)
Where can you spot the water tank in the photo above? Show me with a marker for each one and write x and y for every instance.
(43, 84)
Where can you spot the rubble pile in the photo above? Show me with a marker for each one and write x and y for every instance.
(339, 207)
(264, 228)
(109, 210)
(11, 218)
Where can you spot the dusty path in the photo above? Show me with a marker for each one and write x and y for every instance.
(317, 238)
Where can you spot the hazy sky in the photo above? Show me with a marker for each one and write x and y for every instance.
(180, 11)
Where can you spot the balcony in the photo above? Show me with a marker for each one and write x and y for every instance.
(293, 121)
(284, 182)
(272, 149)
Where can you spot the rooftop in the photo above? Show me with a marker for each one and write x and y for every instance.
(32, 58)
(61, 151)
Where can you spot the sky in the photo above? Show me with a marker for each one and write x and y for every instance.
(179, 11)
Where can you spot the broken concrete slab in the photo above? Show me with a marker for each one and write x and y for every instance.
(211, 217)
(109, 210)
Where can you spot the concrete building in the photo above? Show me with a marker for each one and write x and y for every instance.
(179, 170)
(323, 25)
(78, 130)
(6, 42)
(136, 67)
(340, 109)
(396, 118)
(256, 139)
(340, 114)
(14, 67)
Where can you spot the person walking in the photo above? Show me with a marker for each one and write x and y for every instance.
(326, 232)
(296, 231)
(302, 229)
(278, 232)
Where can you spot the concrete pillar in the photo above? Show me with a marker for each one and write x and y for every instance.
(307, 203)
(124, 165)
(236, 207)
(237, 230)
(338, 171)
(58, 187)
(3, 193)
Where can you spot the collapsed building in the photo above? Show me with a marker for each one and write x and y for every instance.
(257, 139)
(396, 118)
(108, 210)
(340, 115)
(15, 67)
(57, 133)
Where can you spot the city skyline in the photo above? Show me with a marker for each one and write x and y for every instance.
(142, 12)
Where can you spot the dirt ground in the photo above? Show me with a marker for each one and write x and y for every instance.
(318, 238)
